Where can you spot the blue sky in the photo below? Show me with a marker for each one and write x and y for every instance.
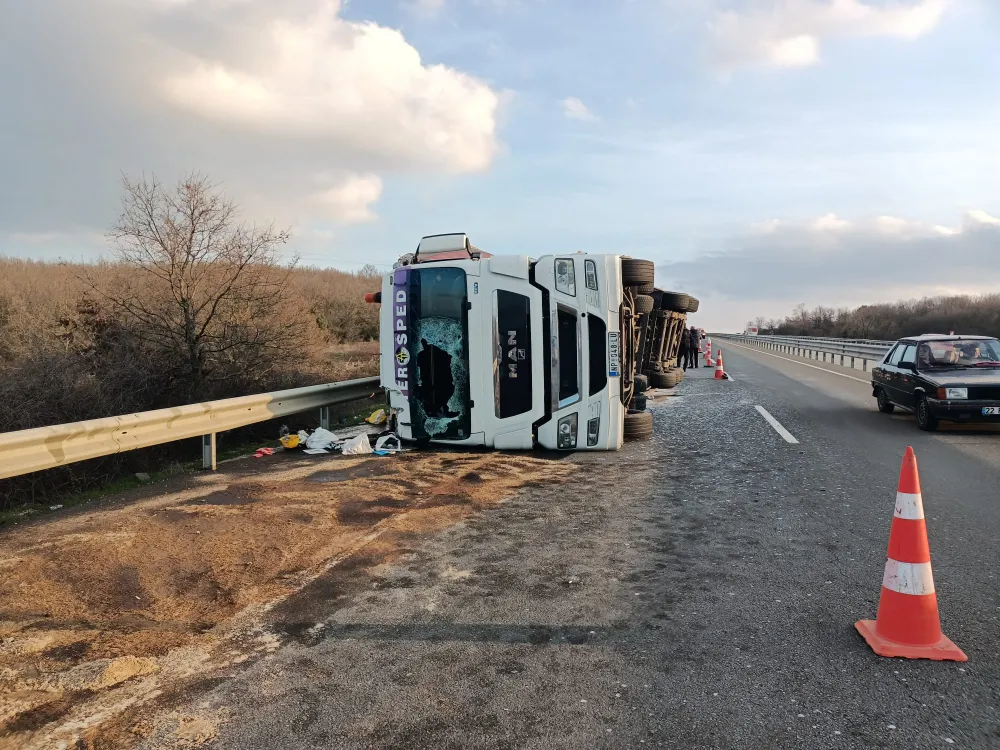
(795, 146)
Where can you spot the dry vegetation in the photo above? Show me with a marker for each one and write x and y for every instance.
(194, 306)
(962, 314)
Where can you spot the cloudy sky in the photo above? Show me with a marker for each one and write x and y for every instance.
(762, 152)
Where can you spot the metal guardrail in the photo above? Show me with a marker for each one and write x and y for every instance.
(816, 347)
(25, 451)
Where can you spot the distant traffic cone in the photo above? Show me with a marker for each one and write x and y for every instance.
(720, 373)
(708, 358)
(908, 624)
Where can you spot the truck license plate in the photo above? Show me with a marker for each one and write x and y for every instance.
(613, 349)
(991, 411)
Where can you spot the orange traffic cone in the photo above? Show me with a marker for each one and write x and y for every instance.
(720, 373)
(908, 624)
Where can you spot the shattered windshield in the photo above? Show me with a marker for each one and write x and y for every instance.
(439, 335)
(958, 353)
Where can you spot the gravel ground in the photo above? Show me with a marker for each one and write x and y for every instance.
(697, 590)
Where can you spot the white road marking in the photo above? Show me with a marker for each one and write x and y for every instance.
(804, 364)
(789, 437)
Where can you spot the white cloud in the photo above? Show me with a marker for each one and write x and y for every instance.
(426, 8)
(576, 109)
(359, 85)
(788, 33)
(350, 199)
(832, 261)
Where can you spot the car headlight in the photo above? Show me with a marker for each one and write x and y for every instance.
(567, 431)
(565, 276)
(593, 430)
(956, 393)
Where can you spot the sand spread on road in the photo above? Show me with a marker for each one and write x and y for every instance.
(104, 613)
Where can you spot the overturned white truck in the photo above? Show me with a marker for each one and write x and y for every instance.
(512, 352)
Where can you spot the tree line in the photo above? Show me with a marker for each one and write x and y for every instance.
(979, 315)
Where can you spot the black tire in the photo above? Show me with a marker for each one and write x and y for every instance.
(644, 289)
(661, 380)
(641, 383)
(675, 379)
(639, 402)
(636, 272)
(884, 404)
(638, 425)
(643, 304)
(679, 373)
(925, 420)
(693, 305)
(675, 301)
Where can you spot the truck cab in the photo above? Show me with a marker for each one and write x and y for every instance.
(511, 352)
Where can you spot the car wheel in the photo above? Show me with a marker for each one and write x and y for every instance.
(925, 420)
(884, 404)
(638, 425)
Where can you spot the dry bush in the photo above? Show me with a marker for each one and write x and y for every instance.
(86, 341)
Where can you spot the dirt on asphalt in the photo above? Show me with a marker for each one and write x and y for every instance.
(108, 615)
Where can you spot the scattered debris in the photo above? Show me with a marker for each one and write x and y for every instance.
(377, 417)
(321, 438)
(142, 476)
(261, 452)
(357, 446)
(54, 507)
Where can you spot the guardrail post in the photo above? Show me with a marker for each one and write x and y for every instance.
(324, 417)
(852, 363)
(864, 365)
(208, 451)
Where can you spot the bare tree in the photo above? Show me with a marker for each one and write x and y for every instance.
(210, 292)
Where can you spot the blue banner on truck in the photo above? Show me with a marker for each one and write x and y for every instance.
(400, 328)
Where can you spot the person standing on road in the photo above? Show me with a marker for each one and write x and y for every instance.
(684, 352)
(694, 344)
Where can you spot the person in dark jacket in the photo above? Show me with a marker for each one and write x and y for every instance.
(684, 351)
(694, 344)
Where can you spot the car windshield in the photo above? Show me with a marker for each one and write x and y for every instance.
(940, 354)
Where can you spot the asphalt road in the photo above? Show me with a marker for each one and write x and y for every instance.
(697, 590)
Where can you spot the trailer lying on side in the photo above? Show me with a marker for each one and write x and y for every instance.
(512, 352)
(660, 340)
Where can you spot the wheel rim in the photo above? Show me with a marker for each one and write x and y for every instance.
(881, 398)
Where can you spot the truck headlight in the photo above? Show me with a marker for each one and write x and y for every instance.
(567, 431)
(955, 393)
(593, 430)
(565, 276)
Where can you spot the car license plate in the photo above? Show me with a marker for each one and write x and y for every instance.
(991, 411)
(613, 349)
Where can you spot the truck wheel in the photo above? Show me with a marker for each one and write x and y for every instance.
(638, 425)
(644, 289)
(678, 373)
(643, 304)
(675, 301)
(639, 402)
(637, 272)
(641, 383)
(693, 305)
(661, 380)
